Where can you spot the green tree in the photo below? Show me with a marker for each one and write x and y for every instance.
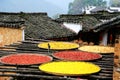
(77, 5)
(115, 3)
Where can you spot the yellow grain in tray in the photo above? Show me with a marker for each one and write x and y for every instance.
(58, 45)
(97, 49)
(69, 68)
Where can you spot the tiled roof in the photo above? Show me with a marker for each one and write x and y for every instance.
(87, 21)
(13, 24)
(38, 25)
(107, 25)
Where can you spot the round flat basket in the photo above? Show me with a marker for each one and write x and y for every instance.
(97, 49)
(25, 59)
(69, 68)
(76, 55)
(58, 45)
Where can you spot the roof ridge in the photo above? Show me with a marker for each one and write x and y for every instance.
(17, 13)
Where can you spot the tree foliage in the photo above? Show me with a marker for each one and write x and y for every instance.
(77, 5)
(115, 3)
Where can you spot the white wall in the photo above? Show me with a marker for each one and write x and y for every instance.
(75, 27)
(104, 40)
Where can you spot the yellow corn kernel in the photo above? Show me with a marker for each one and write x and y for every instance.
(69, 68)
(58, 45)
(97, 49)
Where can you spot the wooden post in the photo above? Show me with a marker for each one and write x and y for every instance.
(48, 48)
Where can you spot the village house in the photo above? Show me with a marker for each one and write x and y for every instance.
(11, 32)
(40, 26)
(66, 28)
(84, 24)
(109, 31)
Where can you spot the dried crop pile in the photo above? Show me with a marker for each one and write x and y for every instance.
(58, 45)
(97, 49)
(70, 68)
(76, 55)
(25, 59)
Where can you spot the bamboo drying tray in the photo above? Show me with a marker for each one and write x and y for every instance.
(25, 59)
(69, 68)
(97, 49)
(58, 45)
(76, 55)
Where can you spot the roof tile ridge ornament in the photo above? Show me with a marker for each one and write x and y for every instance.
(35, 13)
(10, 13)
(18, 13)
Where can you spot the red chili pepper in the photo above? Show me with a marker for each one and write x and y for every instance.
(25, 59)
(76, 55)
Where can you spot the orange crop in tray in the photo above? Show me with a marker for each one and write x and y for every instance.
(25, 59)
(76, 55)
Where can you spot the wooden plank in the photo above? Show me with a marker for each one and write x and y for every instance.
(40, 76)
